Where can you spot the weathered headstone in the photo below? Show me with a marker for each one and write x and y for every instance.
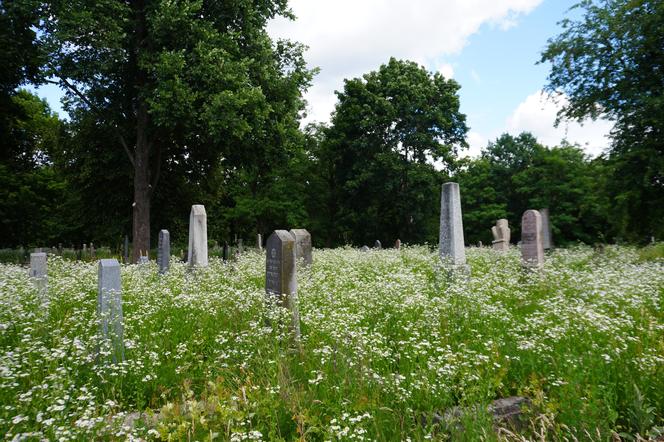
(378, 245)
(302, 245)
(259, 241)
(281, 275)
(532, 251)
(109, 308)
(164, 251)
(240, 246)
(126, 249)
(501, 235)
(365, 249)
(198, 249)
(60, 249)
(397, 244)
(479, 244)
(226, 252)
(144, 259)
(38, 270)
(452, 249)
(547, 239)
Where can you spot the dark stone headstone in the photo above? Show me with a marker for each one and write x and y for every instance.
(226, 252)
(280, 273)
(164, 251)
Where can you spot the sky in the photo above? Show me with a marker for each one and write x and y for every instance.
(490, 47)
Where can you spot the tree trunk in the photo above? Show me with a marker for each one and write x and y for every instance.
(141, 209)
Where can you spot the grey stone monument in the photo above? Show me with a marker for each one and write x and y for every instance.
(38, 270)
(452, 249)
(547, 240)
(164, 251)
(198, 249)
(109, 307)
(281, 275)
(259, 241)
(397, 244)
(378, 245)
(532, 251)
(365, 249)
(302, 245)
(501, 235)
(92, 250)
(240, 246)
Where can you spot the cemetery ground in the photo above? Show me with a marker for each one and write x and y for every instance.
(389, 346)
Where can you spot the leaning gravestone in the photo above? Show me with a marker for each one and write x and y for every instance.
(109, 308)
(501, 235)
(38, 270)
(164, 251)
(547, 241)
(302, 245)
(198, 251)
(280, 274)
(452, 249)
(532, 251)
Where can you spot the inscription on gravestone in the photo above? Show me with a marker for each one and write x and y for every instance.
(164, 251)
(532, 251)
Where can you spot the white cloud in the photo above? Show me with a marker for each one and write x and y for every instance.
(447, 70)
(537, 114)
(348, 38)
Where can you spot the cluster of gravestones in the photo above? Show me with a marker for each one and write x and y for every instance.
(535, 232)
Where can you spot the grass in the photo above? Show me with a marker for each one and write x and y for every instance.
(387, 341)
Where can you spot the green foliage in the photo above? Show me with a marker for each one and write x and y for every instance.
(515, 174)
(609, 63)
(376, 156)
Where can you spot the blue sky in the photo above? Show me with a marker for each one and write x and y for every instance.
(489, 46)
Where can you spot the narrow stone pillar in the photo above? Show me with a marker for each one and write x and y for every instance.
(547, 237)
(109, 308)
(164, 251)
(281, 275)
(259, 241)
(452, 248)
(302, 245)
(198, 249)
(532, 250)
(38, 271)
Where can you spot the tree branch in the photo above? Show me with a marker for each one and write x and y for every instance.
(95, 109)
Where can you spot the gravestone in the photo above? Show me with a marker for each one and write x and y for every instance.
(109, 308)
(479, 244)
(302, 245)
(397, 244)
(547, 240)
(144, 259)
(259, 241)
(378, 245)
(452, 249)
(92, 250)
(226, 252)
(198, 251)
(38, 271)
(164, 251)
(501, 235)
(240, 246)
(280, 274)
(532, 251)
(126, 249)
(365, 249)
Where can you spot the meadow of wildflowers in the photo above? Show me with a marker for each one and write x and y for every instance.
(387, 340)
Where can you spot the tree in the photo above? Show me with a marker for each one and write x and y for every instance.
(181, 87)
(609, 64)
(515, 174)
(388, 129)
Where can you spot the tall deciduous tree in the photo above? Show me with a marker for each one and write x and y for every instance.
(182, 85)
(610, 63)
(388, 129)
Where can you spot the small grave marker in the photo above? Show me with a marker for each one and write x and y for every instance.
(501, 235)
(198, 251)
(397, 244)
(164, 251)
(302, 245)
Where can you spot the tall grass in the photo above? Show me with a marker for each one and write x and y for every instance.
(387, 340)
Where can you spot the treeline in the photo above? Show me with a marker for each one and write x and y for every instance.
(174, 104)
